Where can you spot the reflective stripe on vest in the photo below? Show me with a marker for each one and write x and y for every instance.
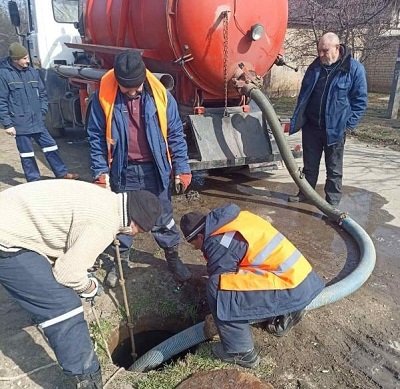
(271, 261)
(108, 93)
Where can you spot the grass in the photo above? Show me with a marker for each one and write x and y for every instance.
(96, 333)
(374, 128)
(201, 361)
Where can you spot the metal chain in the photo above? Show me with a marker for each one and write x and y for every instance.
(226, 42)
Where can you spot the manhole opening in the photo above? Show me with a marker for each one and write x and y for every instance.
(144, 341)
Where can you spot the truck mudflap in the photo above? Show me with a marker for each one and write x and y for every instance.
(239, 139)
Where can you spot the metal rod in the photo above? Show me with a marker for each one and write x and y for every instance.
(125, 296)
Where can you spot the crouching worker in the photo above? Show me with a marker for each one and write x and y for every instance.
(255, 274)
(50, 233)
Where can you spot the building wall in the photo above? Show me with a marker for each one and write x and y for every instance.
(282, 81)
(380, 68)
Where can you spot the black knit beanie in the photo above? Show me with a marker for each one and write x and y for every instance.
(192, 224)
(129, 69)
(144, 208)
(17, 51)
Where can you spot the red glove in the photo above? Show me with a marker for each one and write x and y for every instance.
(103, 180)
(182, 182)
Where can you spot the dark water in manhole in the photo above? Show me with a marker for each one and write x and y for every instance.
(144, 341)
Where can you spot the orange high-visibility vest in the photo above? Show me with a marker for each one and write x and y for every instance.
(108, 93)
(271, 262)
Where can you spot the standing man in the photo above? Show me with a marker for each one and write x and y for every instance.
(23, 106)
(50, 233)
(332, 99)
(255, 274)
(137, 142)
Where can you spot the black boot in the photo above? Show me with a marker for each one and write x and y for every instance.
(112, 278)
(175, 265)
(281, 325)
(249, 359)
(110, 265)
(89, 381)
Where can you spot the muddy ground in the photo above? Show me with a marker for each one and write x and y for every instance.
(353, 343)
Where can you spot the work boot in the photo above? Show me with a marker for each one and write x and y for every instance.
(112, 278)
(298, 198)
(175, 265)
(332, 202)
(71, 176)
(89, 381)
(281, 325)
(111, 266)
(249, 359)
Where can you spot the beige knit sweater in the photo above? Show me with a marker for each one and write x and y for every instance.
(69, 222)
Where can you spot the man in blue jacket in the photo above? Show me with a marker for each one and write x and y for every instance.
(332, 99)
(23, 105)
(255, 275)
(137, 142)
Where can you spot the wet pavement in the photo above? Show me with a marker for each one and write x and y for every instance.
(364, 349)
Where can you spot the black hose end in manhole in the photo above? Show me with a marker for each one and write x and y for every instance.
(121, 347)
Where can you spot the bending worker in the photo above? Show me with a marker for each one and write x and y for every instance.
(137, 142)
(57, 231)
(255, 274)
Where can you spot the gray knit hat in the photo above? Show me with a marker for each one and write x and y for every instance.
(144, 208)
(129, 69)
(17, 51)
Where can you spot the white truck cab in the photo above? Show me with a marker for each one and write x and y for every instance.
(48, 25)
(43, 27)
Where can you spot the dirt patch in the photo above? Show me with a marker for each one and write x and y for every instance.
(375, 127)
(353, 343)
(224, 379)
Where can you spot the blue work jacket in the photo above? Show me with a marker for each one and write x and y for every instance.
(346, 100)
(248, 305)
(23, 99)
(119, 132)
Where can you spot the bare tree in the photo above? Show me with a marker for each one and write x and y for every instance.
(7, 32)
(362, 25)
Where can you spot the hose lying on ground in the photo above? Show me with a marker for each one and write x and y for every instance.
(194, 335)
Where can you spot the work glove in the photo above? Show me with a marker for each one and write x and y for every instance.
(210, 329)
(94, 288)
(11, 131)
(103, 180)
(182, 182)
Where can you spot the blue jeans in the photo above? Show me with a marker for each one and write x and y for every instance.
(144, 176)
(314, 143)
(50, 150)
(28, 278)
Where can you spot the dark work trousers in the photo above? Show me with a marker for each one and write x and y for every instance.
(50, 150)
(314, 143)
(144, 176)
(235, 336)
(28, 278)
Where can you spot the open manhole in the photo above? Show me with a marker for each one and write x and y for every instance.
(121, 348)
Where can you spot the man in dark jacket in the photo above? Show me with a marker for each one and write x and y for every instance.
(255, 275)
(137, 142)
(332, 99)
(23, 105)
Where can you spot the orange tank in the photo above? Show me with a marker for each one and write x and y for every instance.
(200, 42)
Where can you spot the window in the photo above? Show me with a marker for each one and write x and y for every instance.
(66, 11)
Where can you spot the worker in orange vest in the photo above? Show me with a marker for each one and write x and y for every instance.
(255, 275)
(137, 142)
